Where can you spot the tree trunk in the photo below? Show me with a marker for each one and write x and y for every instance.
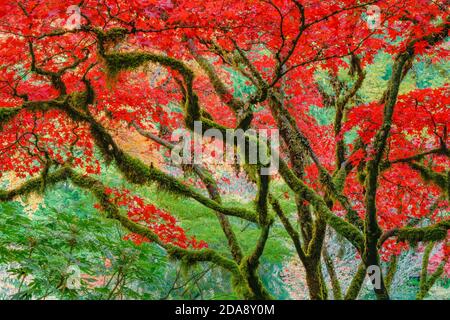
(315, 281)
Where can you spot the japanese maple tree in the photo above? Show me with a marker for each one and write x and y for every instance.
(378, 175)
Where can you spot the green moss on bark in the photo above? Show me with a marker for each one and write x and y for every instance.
(433, 233)
(6, 114)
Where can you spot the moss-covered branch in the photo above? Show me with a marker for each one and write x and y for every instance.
(427, 281)
(391, 271)
(335, 284)
(413, 235)
(34, 185)
(356, 283)
(344, 228)
(118, 61)
(298, 145)
(435, 232)
(6, 114)
(292, 232)
(222, 91)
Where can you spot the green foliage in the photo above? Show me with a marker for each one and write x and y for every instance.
(324, 116)
(7, 114)
(38, 249)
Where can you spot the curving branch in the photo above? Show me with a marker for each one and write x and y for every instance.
(435, 232)
(427, 281)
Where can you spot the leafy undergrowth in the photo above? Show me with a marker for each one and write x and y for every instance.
(39, 245)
